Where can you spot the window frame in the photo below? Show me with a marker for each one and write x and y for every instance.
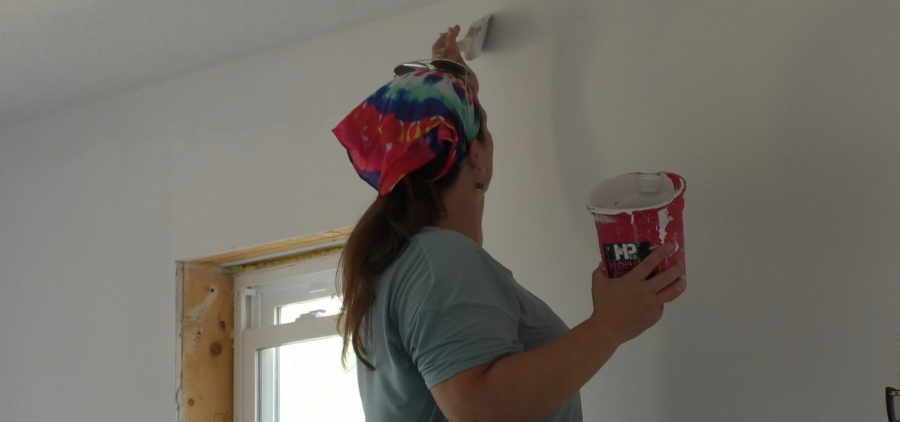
(255, 331)
(205, 364)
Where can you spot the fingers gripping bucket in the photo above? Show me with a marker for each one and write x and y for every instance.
(634, 214)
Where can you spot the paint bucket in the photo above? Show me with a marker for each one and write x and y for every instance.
(634, 214)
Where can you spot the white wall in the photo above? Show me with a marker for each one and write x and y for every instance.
(782, 116)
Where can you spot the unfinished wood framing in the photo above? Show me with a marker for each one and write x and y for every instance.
(280, 248)
(205, 306)
(207, 345)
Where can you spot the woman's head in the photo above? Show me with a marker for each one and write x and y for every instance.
(411, 141)
(409, 122)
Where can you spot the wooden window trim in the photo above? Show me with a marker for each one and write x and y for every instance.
(205, 321)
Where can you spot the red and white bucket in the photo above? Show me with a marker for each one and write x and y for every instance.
(634, 214)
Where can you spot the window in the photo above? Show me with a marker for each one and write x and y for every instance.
(287, 351)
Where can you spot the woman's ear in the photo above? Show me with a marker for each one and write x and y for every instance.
(473, 156)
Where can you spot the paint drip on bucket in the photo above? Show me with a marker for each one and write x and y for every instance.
(634, 213)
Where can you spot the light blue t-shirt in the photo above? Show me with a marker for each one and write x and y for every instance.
(443, 307)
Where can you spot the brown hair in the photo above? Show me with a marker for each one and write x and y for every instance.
(381, 236)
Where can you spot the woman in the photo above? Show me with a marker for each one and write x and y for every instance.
(442, 330)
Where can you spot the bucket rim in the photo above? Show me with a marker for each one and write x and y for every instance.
(679, 191)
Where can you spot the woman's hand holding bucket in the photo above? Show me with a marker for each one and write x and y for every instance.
(627, 306)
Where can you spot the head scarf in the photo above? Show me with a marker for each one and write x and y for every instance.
(407, 123)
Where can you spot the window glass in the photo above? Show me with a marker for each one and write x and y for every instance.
(312, 386)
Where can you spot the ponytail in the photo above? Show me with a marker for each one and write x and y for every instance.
(380, 237)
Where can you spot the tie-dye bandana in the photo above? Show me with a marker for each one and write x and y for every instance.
(408, 122)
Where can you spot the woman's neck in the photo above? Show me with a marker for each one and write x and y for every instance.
(464, 214)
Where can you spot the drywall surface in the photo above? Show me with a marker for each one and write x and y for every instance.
(781, 116)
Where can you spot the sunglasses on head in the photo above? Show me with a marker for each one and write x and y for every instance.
(443, 65)
(892, 396)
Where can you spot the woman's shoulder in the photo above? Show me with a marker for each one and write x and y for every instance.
(457, 264)
(436, 239)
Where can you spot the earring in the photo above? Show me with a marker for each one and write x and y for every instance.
(480, 172)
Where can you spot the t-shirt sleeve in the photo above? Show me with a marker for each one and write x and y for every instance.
(468, 316)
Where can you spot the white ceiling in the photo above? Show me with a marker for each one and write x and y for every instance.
(60, 53)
